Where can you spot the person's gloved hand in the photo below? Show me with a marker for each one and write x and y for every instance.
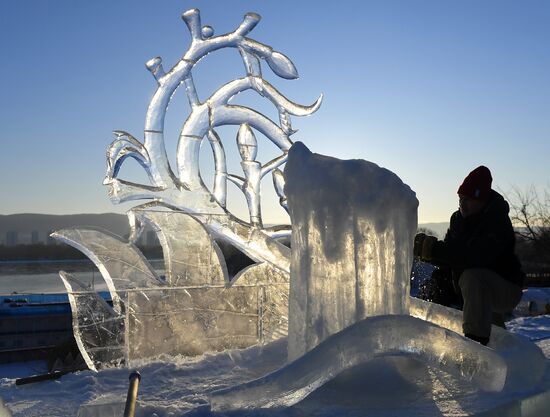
(418, 242)
(423, 246)
(427, 248)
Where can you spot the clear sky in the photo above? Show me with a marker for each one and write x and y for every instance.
(428, 89)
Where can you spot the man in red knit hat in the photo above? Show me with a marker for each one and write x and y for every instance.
(479, 251)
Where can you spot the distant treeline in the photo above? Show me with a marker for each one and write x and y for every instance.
(235, 259)
(39, 252)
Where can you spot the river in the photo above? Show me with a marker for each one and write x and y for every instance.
(42, 277)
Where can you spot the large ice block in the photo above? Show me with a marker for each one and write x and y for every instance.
(353, 225)
(194, 320)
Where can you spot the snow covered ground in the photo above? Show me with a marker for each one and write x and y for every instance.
(390, 386)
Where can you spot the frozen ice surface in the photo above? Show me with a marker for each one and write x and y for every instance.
(525, 361)
(191, 321)
(359, 343)
(98, 329)
(353, 225)
(191, 256)
(121, 264)
(195, 310)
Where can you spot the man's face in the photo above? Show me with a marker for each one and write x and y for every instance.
(469, 206)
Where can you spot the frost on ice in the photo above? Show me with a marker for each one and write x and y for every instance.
(353, 225)
(341, 294)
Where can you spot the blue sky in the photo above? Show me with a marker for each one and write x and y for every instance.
(428, 89)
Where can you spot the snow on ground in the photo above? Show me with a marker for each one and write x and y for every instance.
(392, 386)
(536, 329)
(168, 387)
(534, 301)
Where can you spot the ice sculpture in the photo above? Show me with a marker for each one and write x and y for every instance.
(525, 362)
(98, 328)
(352, 229)
(197, 306)
(361, 342)
(186, 191)
(353, 238)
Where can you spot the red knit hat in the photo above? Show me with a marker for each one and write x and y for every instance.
(477, 184)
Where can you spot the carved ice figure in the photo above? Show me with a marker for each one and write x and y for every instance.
(353, 225)
(194, 310)
(191, 256)
(189, 218)
(351, 250)
(359, 343)
(121, 264)
(185, 190)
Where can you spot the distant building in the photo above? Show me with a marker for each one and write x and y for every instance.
(34, 237)
(12, 238)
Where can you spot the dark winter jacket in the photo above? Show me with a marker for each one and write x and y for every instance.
(483, 240)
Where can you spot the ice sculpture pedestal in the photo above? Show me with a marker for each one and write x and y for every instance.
(353, 225)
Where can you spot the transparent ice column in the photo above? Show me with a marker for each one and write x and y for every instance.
(353, 224)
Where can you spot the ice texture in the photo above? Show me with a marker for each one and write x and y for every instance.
(525, 361)
(97, 328)
(121, 264)
(193, 320)
(196, 309)
(353, 225)
(360, 343)
(183, 188)
(191, 255)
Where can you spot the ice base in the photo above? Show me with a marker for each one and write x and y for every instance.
(358, 345)
(403, 386)
(396, 385)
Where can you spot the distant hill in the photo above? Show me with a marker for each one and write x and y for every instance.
(35, 228)
(439, 228)
(41, 225)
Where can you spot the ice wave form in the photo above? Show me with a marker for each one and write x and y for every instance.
(369, 338)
